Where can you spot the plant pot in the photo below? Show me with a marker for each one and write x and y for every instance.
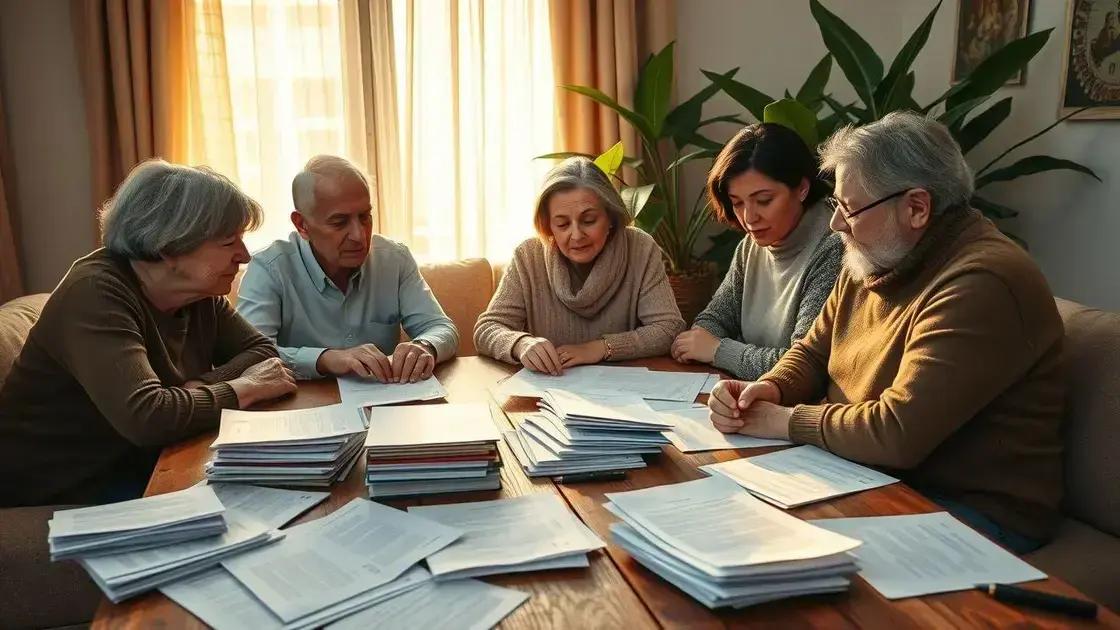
(693, 290)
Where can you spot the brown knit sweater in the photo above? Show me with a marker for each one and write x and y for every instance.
(97, 386)
(947, 370)
(626, 299)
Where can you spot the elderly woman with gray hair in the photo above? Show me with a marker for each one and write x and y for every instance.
(137, 346)
(588, 288)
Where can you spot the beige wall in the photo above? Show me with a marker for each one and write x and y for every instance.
(1070, 221)
(47, 129)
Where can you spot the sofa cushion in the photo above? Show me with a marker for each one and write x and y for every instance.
(1086, 558)
(16, 319)
(35, 592)
(1092, 460)
(463, 288)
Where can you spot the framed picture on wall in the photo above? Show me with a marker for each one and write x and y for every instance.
(985, 26)
(1091, 67)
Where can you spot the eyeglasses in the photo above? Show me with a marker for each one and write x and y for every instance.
(838, 205)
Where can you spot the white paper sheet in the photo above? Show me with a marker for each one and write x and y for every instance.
(800, 475)
(507, 532)
(418, 425)
(274, 427)
(919, 554)
(174, 507)
(473, 605)
(710, 383)
(693, 432)
(607, 379)
(358, 547)
(714, 523)
(218, 599)
(357, 392)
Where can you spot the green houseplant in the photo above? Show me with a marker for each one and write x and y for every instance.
(649, 180)
(880, 93)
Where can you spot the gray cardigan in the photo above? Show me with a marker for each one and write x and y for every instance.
(723, 316)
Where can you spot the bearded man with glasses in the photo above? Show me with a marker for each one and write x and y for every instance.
(937, 356)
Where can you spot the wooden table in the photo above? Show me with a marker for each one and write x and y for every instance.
(616, 592)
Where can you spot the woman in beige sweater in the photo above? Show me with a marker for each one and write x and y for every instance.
(589, 289)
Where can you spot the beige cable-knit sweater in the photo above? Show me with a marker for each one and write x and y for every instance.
(626, 299)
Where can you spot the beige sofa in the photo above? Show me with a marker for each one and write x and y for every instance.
(1086, 552)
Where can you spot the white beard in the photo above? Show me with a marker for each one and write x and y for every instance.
(889, 250)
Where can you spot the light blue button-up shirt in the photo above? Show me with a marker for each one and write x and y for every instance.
(289, 298)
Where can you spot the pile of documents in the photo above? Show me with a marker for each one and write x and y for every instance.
(610, 379)
(430, 449)
(359, 555)
(716, 542)
(581, 432)
(528, 533)
(253, 514)
(301, 447)
(137, 524)
(801, 475)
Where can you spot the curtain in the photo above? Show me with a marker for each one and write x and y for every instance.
(473, 95)
(133, 58)
(11, 279)
(602, 44)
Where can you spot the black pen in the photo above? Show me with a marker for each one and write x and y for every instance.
(608, 475)
(1037, 599)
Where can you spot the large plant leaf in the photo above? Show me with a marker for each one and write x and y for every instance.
(862, 67)
(703, 142)
(650, 217)
(1030, 166)
(636, 198)
(888, 90)
(723, 248)
(829, 124)
(698, 154)
(901, 98)
(683, 121)
(796, 116)
(974, 132)
(993, 209)
(997, 69)
(1029, 138)
(745, 95)
(813, 89)
(718, 119)
(655, 87)
(611, 159)
(637, 120)
(951, 117)
(849, 112)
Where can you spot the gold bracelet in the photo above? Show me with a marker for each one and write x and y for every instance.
(610, 351)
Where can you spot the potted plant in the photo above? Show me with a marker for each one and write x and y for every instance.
(669, 138)
(880, 93)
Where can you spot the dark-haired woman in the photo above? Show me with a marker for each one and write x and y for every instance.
(765, 182)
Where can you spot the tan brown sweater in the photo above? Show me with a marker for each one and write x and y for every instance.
(947, 370)
(97, 386)
(626, 298)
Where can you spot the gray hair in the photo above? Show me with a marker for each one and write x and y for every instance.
(579, 172)
(902, 150)
(319, 169)
(164, 209)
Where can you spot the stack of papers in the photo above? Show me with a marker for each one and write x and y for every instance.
(344, 562)
(716, 542)
(801, 475)
(919, 554)
(429, 449)
(302, 447)
(587, 433)
(473, 605)
(137, 524)
(608, 379)
(361, 393)
(527, 533)
(693, 432)
(253, 514)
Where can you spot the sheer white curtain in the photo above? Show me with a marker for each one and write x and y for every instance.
(475, 103)
(444, 102)
(283, 81)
